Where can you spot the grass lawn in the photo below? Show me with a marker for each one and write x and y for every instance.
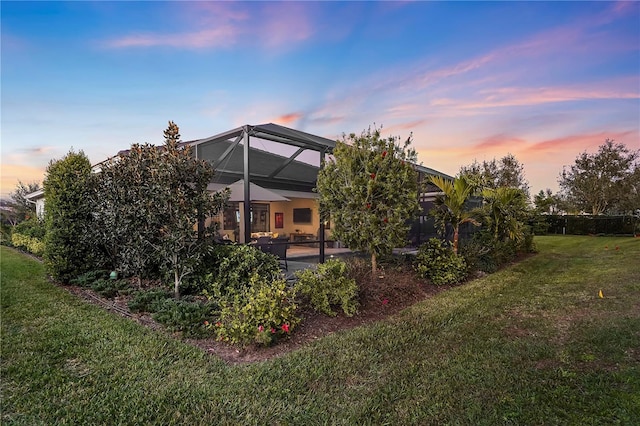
(531, 344)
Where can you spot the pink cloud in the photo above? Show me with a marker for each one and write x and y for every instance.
(288, 119)
(578, 143)
(286, 23)
(217, 37)
(225, 24)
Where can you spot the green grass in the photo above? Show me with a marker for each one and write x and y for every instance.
(531, 344)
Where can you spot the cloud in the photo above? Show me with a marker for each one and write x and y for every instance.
(223, 36)
(578, 142)
(288, 119)
(212, 25)
(37, 150)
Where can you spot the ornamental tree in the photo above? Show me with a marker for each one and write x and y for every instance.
(150, 200)
(370, 188)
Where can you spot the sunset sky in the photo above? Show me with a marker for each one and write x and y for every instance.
(470, 80)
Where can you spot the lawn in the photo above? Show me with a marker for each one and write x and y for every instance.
(531, 344)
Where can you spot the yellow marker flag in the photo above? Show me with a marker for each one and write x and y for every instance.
(600, 294)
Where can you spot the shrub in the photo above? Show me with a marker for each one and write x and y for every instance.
(148, 301)
(69, 249)
(110, 288)
(33, 227)
(328, 285)
(232, 268)
(184, 316)
(259, 314)
(88, 278)
(439, 263)
(31, 244)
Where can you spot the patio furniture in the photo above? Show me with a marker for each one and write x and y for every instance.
(280, 251)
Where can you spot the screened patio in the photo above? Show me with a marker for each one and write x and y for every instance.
(271, 171)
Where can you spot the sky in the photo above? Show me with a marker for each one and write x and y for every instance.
(470, 81)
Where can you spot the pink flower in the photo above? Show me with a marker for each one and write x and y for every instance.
(385, 301)
(218, 324)
(206, 323)
(273, 330)
(368, 205)
(260, 328)
(285, 328)
(384, 154)
(373, 175)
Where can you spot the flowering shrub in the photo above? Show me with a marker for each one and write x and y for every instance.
(439, 263)
(328, 285)
(261, 313)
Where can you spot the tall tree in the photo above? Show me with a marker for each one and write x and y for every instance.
(451, 204)
(506, 172)
(370, 188)
(68, 216)
(601, 182)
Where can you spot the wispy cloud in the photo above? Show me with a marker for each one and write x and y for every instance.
(272, 25)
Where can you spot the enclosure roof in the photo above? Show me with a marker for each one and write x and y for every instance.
(276, 133)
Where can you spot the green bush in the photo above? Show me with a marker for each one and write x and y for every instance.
(437, 262)
(31, 244)
(261, 313)
(328, 285)
(33, 227)
(148, 300)
(68, 217)
(232, 268)
(88, 278)
(184, 316)
(111, 288)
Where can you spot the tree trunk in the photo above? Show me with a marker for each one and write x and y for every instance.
(176, 277)
(455, 239)
(374, 267)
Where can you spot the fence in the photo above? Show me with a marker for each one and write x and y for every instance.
(590, 225)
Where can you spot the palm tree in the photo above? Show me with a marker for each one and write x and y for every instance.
(451, 204)
(505, 208)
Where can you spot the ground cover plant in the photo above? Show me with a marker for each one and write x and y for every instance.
(533, 343)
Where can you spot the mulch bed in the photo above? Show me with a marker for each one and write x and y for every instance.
(396, 289)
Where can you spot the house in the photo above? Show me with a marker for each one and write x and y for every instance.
(37, 198)
(272, 171)
(278, 168)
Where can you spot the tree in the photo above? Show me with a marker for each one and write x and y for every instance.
(22, 209)
(507, 172)
(547, 202)
(506, 213)
(149, 202)
(604, 181)
(68, 216)
(370, 188)
(451, 204)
